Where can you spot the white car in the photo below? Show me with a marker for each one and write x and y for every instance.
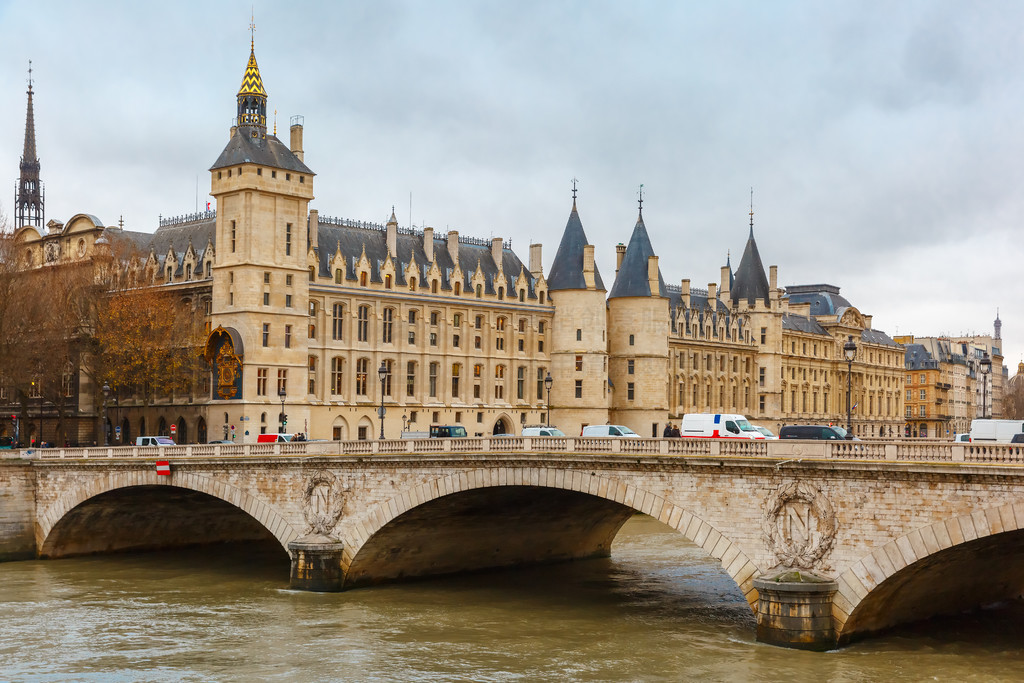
(154, 441)
(609, 430)
(767, 432)
(542, 431)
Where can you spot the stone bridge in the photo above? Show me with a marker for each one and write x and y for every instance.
(828, 541)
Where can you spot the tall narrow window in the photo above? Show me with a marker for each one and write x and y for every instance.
(287, 336)
(337, 374)
(456, 370)
(266, 334)
(363, 323)
(540, 384)
(337, 321)
(282, 382)
(288, 239)
(387, 378)
(261, 381)
(232, 236)
(362, 366)
(388, 325)
(410, 378)
(433, 380)
(521, 383)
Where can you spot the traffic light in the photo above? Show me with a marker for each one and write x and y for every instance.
(284, 421)
(14, 419)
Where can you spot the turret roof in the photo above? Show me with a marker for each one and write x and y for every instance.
(750, 282)
(631, 280)
(567, 268)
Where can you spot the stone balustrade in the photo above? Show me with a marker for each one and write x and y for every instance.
(932, 451)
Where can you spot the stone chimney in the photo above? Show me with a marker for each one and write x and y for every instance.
(712, 295)
(314, 229)
(453, 245)
(588, 266)
(685, 287)
(773, 283)
(536, 264)
(725, 283)
(652, 275)
(296, 138)
(497, 245)
(428, 244)
(620, 253)
(392, 237)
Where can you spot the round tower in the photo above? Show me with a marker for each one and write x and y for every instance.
(638, 331)
(579, 358)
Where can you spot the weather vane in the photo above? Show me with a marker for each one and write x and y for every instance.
(252, 28)
(574, 181)
(641, 194)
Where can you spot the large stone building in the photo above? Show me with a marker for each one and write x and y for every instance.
(324, 320)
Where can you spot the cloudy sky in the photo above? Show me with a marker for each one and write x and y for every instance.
(883, 141)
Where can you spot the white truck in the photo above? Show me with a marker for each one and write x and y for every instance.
(717, 426)
(995, 431)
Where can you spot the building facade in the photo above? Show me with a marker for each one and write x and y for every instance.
(315, 323)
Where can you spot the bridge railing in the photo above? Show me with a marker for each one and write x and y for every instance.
(787, 450)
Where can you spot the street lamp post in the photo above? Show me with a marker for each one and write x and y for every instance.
(282, 420)
(547, 385)
(986, 367)
(106, 395)
(850, 351)
(382, 372)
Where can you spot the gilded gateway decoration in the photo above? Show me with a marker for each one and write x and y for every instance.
(225, 361)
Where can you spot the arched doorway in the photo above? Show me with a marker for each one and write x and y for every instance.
(182, 431)
(161, 427)
(501, 427)
(201, 435)
(126, 431)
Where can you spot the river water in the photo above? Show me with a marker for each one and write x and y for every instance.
(658, 610)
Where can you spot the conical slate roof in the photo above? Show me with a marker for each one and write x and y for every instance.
(252, 83)
(567, 269)
(631, 280)
(750, 283)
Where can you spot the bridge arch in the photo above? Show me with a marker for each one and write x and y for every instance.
(276, 524)
(732, 558)
(945, 567)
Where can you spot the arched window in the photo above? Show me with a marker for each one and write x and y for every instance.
(312, 273)
(337, 276)
(362, 368)
(458, 288)
(363, 279)
(433, 286)
(337, 375)
(337, 321)
(388, 325)
(456, 371)
(387, 282)
(412, 284)
(501, 293)
(479, 291)
(522, 294)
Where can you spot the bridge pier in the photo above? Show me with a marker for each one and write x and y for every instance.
(794, 609)
(316, 564)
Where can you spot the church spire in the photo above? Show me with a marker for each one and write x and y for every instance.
(252, 97)
(28, 200)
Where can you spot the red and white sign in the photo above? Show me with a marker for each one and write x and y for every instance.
(174, 428)
(163, 467)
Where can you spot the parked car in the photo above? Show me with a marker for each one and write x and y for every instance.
(274, 438)
(1017, 438)
(767, 432)
(542, 431)
(6, 442)
(447, 432)
(821, 432)
(155, 441)
(220, 441)
(609, 430)
(965, 438)
(995, 431)
(717, 426)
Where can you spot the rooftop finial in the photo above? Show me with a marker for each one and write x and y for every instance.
(641, 201)
(574, 181)
(252, 29)
(30, 75)
(751, 211)
(275, 122)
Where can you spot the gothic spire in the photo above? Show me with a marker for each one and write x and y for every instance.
(252, 99)
(28, 200)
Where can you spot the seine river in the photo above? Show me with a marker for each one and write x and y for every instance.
(658, 610)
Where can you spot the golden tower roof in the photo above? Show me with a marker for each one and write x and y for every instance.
(252, 84)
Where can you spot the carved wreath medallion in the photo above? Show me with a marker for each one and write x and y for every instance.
(322, 503)
(799, 525)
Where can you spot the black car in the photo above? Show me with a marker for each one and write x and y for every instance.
(821, 432)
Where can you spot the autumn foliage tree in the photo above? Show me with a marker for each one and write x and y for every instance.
(148, 342)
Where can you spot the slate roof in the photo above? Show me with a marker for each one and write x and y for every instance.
(877, 337)
(353, 240)
(631, 280)
(567, 269)
(268, 151)
(824, 299)
(802, 323)
(750, 282)
(175, 237)
(916, 357)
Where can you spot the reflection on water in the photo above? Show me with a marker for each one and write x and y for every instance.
(659, 609)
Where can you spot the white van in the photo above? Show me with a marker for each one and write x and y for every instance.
(717, 426)
(154, 441)
(542, 431)
(995, 431)
(609, 430)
